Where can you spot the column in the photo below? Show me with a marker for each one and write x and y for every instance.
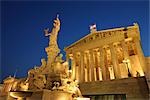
(73, 67)
(77, 73)
(102, 64)
(82, 72)
(100, 73)
(111, 71)
(95, 64)
(86, 75)
(77, 66)
(89, 67)
(91, 59)
(126, 56)
(99, 70)
(86, 69)
(125, 49)
(106, 49)
(115, 61)
(140, 55)
(95, 74)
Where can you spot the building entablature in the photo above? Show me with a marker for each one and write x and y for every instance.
(105, 37)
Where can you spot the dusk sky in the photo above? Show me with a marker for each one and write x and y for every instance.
(22, 23)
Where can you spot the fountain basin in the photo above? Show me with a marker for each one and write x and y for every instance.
(80, 98)
(20, 94)
(56, 95)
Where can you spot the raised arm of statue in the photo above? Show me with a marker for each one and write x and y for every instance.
(56, 25)
(55, 29)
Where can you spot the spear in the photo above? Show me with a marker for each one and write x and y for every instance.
(15, 73)
(57, 15)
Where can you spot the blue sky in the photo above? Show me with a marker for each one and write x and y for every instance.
(22, 25)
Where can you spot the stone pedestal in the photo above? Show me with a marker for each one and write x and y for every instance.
(56, 95)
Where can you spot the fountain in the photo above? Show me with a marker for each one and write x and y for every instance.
(52, 76)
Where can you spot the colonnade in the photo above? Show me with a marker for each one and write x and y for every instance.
(103, 63)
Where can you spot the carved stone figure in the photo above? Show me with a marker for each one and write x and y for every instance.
(20, 85)
(39, 81)
(68, 85)
(53, 34)
(52, 50)
(43, 61)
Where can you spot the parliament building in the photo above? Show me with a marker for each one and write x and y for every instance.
(104, 65)
(110, 64)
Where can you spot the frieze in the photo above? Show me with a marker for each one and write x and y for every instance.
(104, 34)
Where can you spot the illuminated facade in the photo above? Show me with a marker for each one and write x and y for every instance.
(107, 55)
(108, 64)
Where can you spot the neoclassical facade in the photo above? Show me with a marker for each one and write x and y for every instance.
(107, 55)
(108, 64)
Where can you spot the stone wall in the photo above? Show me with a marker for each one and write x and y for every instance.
(147, 60)
(134, 88)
